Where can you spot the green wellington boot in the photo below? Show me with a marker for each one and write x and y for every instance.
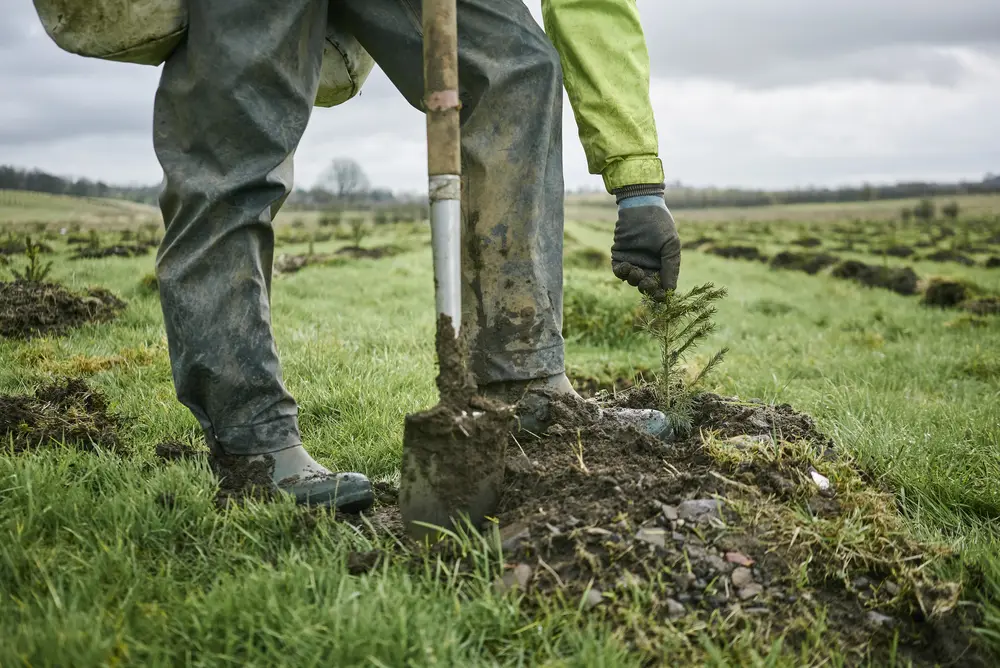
(295, 472)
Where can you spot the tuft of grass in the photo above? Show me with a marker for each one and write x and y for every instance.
(600, 317)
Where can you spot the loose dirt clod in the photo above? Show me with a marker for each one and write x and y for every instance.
(899, 251)
(737, 253)
(945, 293)
(119, 250)
(66, 411)
(695, 244)
(950, 293)
(29, 308)
(810, 263)
(901, 280)
(951, 256)
(172, 451)
(241, 480)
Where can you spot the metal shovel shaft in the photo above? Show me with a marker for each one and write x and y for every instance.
(444, 163)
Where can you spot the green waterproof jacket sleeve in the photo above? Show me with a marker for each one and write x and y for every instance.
(605, 66)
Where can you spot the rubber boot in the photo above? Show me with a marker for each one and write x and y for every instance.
(297, 473)
(532, 399)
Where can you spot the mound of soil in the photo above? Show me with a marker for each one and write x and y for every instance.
(677, 535)
(738, 253)
(734, 523)
(899, 251)
(949, 293)
(17, 247)
(289, 264)
(697, 243)
(135, 250)
(359, 253)
(901, 280)
(29, 308)
(810, 263)
(945, 293)
(950, 256)
(983, 305)
(66, 411)
(992, 262)
(808, 242)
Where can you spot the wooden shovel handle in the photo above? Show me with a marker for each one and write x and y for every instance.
(441, 87)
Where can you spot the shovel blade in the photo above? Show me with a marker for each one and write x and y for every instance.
(452, 470)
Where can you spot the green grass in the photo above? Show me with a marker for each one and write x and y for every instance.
(122, 561)
(598, 207)
(22, 207)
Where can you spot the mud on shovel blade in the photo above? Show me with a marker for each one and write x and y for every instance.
(452, 468)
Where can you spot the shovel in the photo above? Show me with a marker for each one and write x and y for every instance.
(453, 454)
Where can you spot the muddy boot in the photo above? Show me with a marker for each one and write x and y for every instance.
(295, 472)
(533, 399)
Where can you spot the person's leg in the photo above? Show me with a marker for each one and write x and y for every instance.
(511, 92)
(232, 104)
(512, 188)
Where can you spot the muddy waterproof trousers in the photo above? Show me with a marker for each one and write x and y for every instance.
(232, 105)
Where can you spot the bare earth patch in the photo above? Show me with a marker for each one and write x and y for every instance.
(67, 411)
(29, 309)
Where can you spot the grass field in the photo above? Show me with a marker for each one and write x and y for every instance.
(599, 207)
(23, 208)
(96, 570)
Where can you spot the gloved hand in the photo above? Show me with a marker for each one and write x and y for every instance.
(647, 251)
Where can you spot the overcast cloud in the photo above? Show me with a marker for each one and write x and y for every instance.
(770, 93)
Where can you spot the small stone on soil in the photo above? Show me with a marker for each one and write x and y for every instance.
(669, 513)
(739, 559)
(750, 591)
(675, 608)
(742, 577)
(699, 509)
(519, 577)
(821, 480)
(512, 535)
(657, 537)
(717, 564)
(593, 599)
(878, 619)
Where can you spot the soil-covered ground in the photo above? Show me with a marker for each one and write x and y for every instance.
(136, 249)
(30, 308)
(290, 264)
(66, 411)
(753, 524)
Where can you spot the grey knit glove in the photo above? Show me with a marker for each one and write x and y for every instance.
(647, 251)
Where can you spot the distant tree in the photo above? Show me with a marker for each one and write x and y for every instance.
(950, 210)
(346, 179)
(925, 210)
(381, 217)
(906, 215)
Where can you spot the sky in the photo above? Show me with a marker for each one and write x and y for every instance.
(763, 94)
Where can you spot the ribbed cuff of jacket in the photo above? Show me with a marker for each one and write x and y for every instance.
(633, 171)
